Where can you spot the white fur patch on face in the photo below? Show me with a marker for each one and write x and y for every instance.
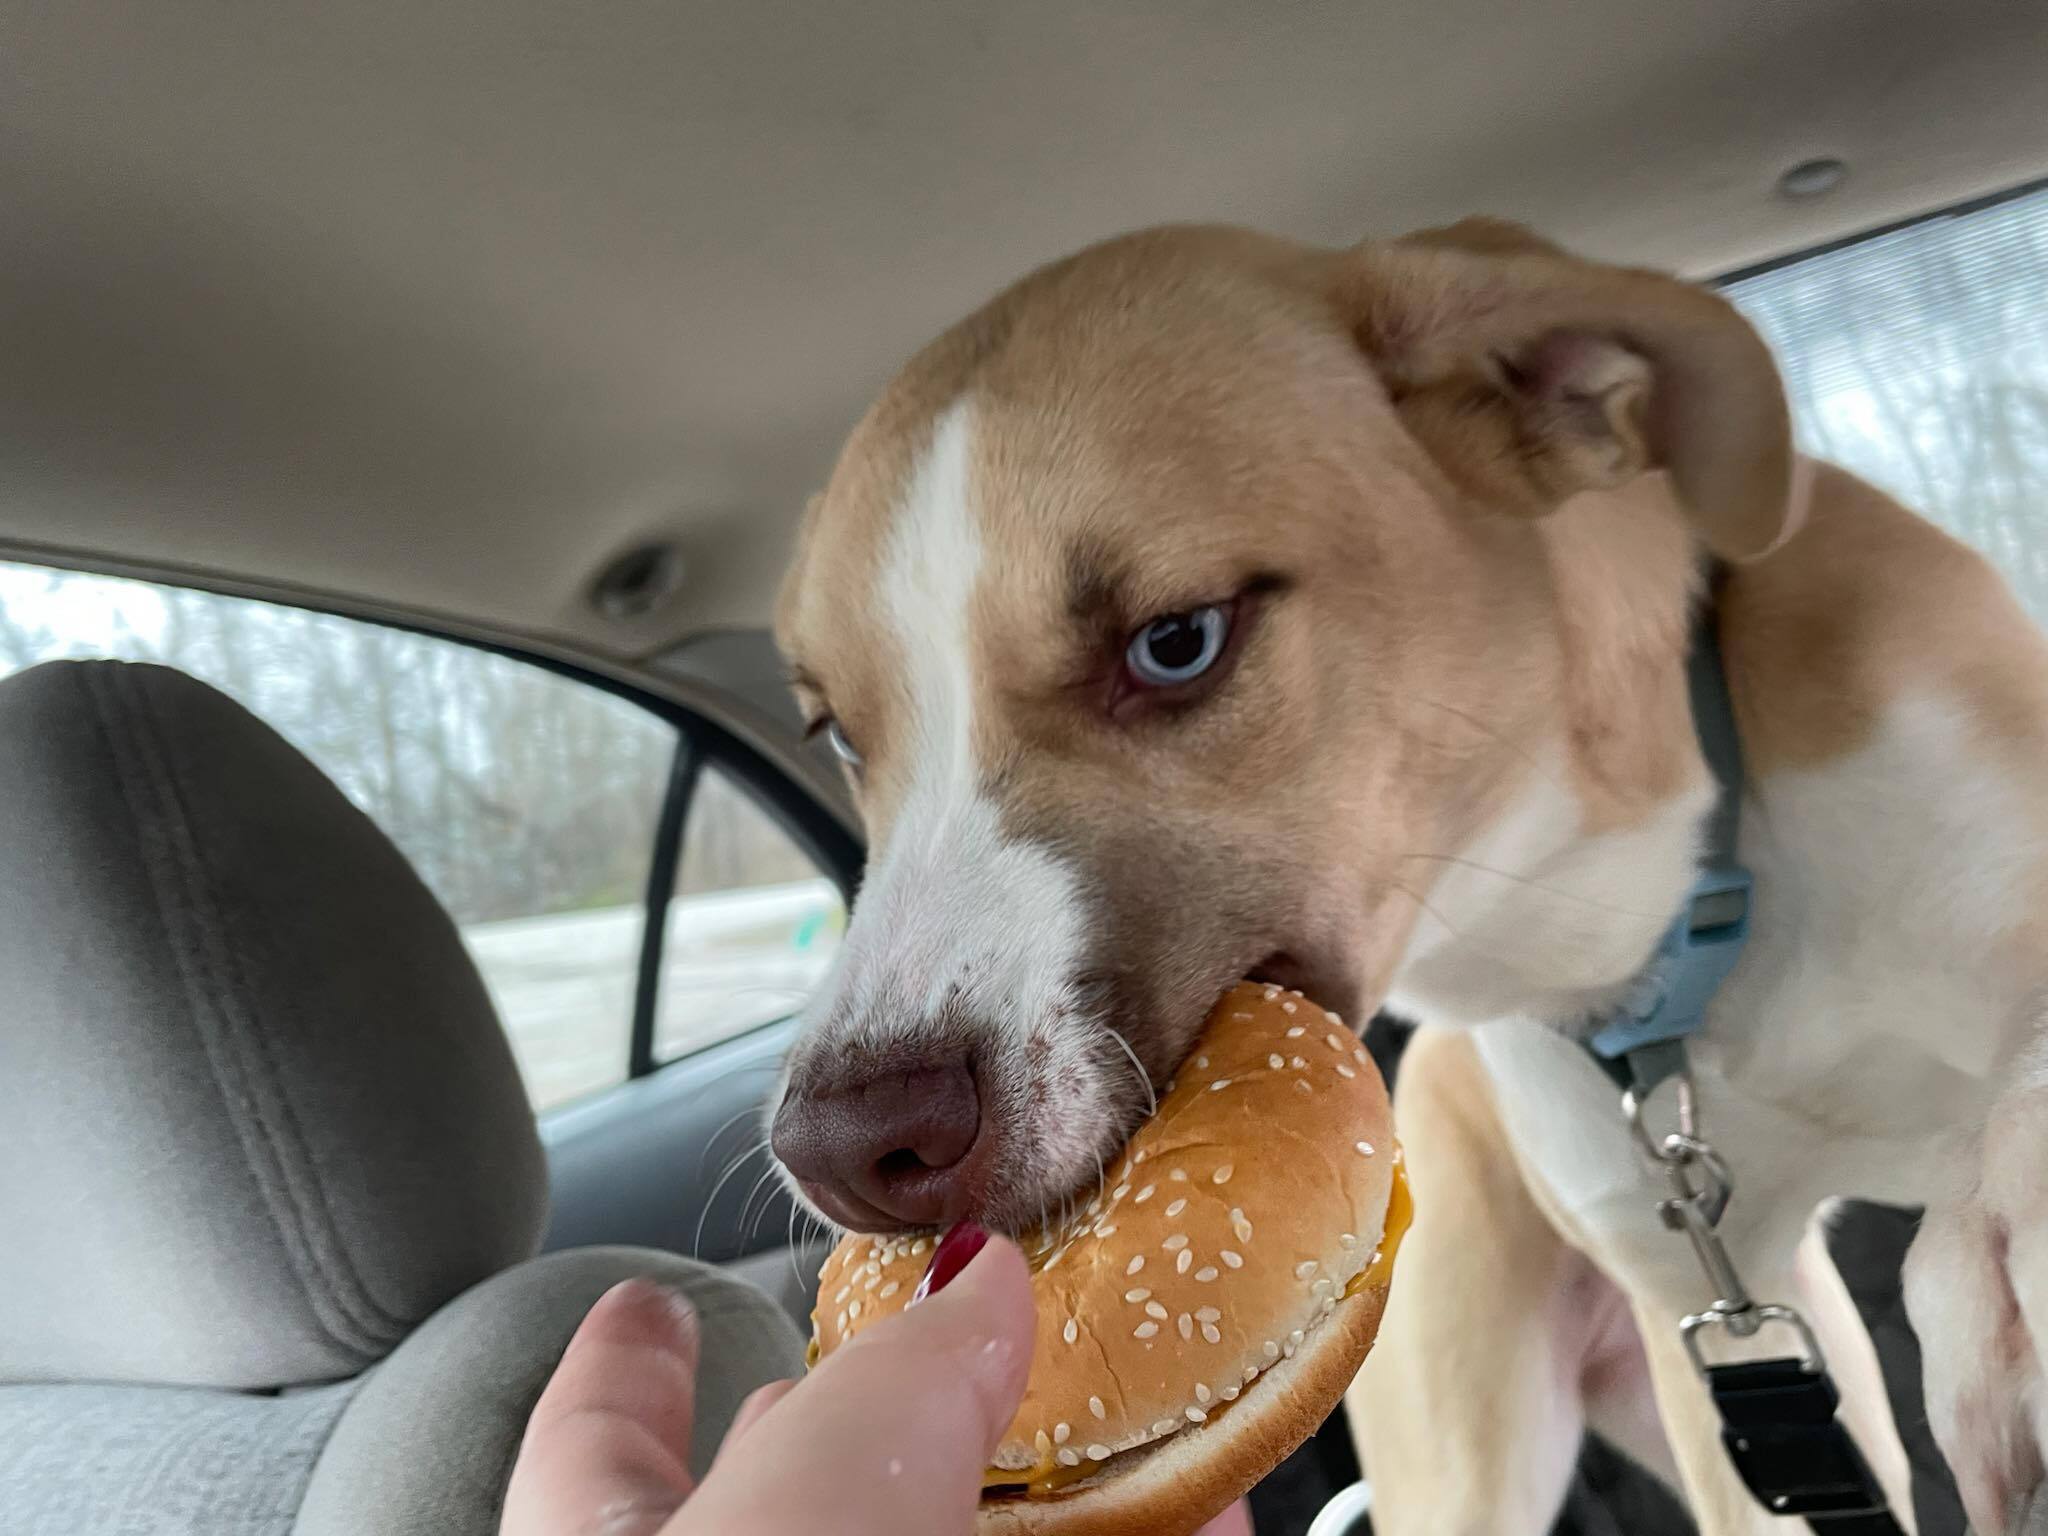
(962, 934)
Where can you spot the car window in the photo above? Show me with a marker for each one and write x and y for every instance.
(1919, 360)
(527, 801)
(752, 927)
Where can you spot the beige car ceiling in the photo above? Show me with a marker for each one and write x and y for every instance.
(437, 307)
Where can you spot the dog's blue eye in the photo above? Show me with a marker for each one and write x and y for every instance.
(835, 737)
(1178, 647)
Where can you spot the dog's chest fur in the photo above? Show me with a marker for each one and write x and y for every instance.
(1873, 1012)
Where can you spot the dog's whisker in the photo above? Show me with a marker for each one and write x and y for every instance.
(711, 1200)
(1534, 885)
(1144, 1078)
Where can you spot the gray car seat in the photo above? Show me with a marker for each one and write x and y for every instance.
(269, 1186)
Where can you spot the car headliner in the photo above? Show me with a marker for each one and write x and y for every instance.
(432, 309)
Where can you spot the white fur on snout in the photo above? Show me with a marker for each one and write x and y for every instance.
(960, 927)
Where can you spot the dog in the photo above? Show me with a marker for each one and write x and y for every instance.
(1209, 605)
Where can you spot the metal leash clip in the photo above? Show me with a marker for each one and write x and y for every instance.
(1778, 1420)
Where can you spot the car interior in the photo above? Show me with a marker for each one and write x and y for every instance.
(412, 860)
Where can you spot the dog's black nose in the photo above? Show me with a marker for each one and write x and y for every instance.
(892, 1150)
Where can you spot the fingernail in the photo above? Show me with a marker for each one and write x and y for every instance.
(955, 1252)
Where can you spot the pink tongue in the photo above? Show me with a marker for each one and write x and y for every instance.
(955, 1252)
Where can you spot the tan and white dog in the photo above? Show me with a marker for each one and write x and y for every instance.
(1210, 605)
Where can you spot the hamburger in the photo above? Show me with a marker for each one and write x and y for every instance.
(1204, 1310)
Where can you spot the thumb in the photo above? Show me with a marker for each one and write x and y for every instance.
(607, 1449)
(891, 1433)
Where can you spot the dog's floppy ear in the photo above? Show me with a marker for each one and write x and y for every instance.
(1531, 375)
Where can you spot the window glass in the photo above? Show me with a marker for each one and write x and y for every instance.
(526, 801)
(752, 928)
(1919, 360)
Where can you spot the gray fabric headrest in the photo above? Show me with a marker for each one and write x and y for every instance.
(257, 1116)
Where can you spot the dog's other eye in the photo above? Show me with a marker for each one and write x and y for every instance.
(835, 737)
(1177, 648)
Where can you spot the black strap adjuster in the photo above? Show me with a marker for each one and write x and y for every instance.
(1779, 1426)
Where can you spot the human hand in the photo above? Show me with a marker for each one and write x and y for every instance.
(888, 1435)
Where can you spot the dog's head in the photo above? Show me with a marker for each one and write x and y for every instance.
(1177, 610)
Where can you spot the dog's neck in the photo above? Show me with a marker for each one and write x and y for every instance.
(1550, 909)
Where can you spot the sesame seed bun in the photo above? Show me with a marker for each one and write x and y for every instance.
(1205, 1310)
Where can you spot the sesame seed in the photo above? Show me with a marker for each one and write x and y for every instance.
(1289, 1351)
(841, 1323)
(1182, 1260)
(1324, 1286)
(1360, 1055)
(1251, 1372)
(1137, 1263)
(1301, 1085)
(1210, 1335)
(1061, 1433)
(1196, 1415)
(1287, 1007)
(890, 1290)
(1105, 1231)
(1271, 993)
(1240, 1015)
(919, 1246)
(1137, 1295)
(844, 1292)
(1304, 1269)
(1154, 1309)
(1095, 1407)
(1348, 1239)
(1179, 1175)
(1044, 1443)
(1346, 1071)
(1146, 1194)
(1165, 1426)
(1296, 1337)
(1272, 1349)
(1331, 1017)
(1139, 1156)
(1206, 1273)
(1202, 1392)
(1145, 1330)
(1208, 1314)
(1201, 1061)
(1229, 1394)
(872, 1282)
(1186, 1325)
(854, 1310)
(1240, 1224)
(1177, 1207)
(1334, 1041)
(1364, 1148)
(1297, 1031)
(1120, 1191)
(1235, 1261)
(1070, 1458)
(1219, 1085)
(1222, 1174)
(1099, 1452)
(1071, 1332)
(1175, 1243)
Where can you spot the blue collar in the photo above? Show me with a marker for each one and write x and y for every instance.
(1642, 1041)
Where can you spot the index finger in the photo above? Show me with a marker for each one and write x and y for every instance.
(889, 1436)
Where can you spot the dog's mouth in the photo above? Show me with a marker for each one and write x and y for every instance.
(1325, 984)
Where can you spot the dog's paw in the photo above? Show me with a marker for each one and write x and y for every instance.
(1977, 1274)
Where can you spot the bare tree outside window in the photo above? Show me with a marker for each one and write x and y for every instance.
(1919, 360)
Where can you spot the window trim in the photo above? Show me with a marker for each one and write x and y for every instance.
(684, 771)
(1959, 210)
